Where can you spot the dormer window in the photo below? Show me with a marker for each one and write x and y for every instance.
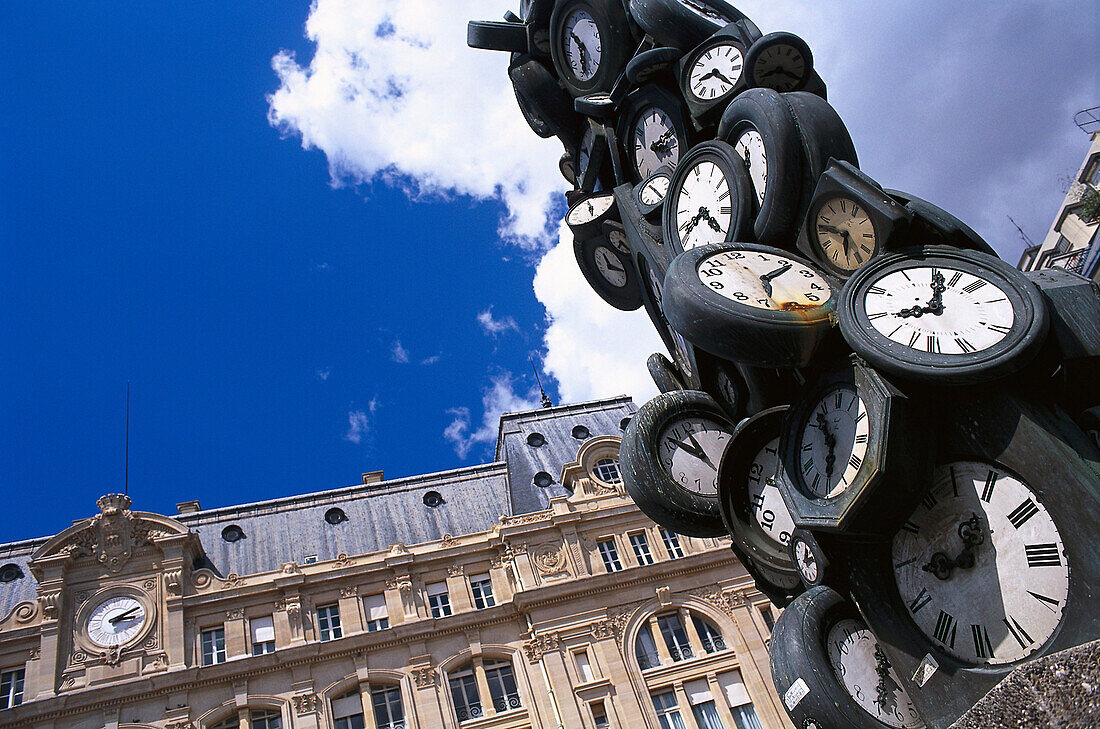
(535, 440)
(433, 499)
(335, 516)
(233, 533)
(542, 479)
(10, 573)
(580, 432)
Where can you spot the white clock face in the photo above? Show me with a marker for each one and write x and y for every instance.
(589, 209)
(763, 280)
(845, 232)
(769, 512)
(703, 210)
(691, 449)
(867, 675)
(584, 154)
(610, 267)
(115, 621)
(655, 143)
(655, 189)
(582, 45)
(750, 146)
(834, 442)
(981, 566)
(618, 239)
(716, 71)
(780, 67)
(939, 310)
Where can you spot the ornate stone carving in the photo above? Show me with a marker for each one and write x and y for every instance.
(399, 548)
(158, 664)
(173, 581)
(291, 568)
(612, 626)
(349, 591)
(400, 582)
(112, 656)
(77, 657)
(151, 643)
(526, 518)
(50, 602)
(306, 703)
(342, 560)
(25, 611)
(664, 595)
(424, 676)
(449, 540)
(182, 724)
(82, 597)
(34, 653)
(201, 579)
(721, 600)
(232, 580)
(234, 614)
(455, 570)
(549, 559)
(149, 585)
(112, 535)
(540, 645)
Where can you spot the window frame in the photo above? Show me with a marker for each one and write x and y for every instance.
(210, 658)
(673, 547)
(16, 678)
(665, 713)
(265, 647)
(439, 603)
(611, 561)
(329, 626)
(482, 591)
(639, 542)
(387, 691)
(503, 671)
(601, 468)
(709, 634)
(474, 709)
(677, 649)
(376, 624)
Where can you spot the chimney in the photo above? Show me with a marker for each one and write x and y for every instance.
(188, 507)
(372, 477)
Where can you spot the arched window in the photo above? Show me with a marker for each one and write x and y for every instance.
(258, 718)
(684, 635)
(388, 711)
(501, 680)
(607, 470)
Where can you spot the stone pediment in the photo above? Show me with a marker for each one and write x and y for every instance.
(112, 536)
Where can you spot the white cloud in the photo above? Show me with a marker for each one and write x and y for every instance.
(358, 426)
(399, 354)
(498, 398)
(324, 373)
(493, 326)
(430, 360)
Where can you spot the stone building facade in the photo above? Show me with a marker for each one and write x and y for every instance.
(528, 592)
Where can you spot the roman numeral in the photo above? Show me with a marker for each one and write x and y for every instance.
(964, 345)
(906, 563)
(1042, 555)
(807, 466)
(855, 461)
(862, 438)
(1018, 632)
(982, 647)
(955, 279)
(817, 480)
(920, 601)
(876, 290)
(725, 210)
(929, 500)
(933, 344)
(954, 483)
(945, 629)
(1023, 512)
(913, 339)
(1048, 602)
(910, 527)
(990, 484)
(998, 328)
(872, 317)
(971, 288)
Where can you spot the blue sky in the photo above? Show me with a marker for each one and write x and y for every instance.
(318, 256)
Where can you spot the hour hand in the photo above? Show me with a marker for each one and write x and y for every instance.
(123, 616)
(700, 453)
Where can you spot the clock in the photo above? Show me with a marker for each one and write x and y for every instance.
(493, 35)
(810, 559)
(589, 43)
(683, 353)
(684, 24)
(544, 105)
(850, 220)
(671, 451)
(646, 65)
(653, 130)
(855, 453)
(781, 61)
(587, 216)
(608, 270)
(832, 672)
(724, 382)
(760, 125)
(650, 193)
(599, 105)
(933, 224)
(664, 373)
(115, 621)
(751, 505)
(592, 160)
(709, 200)
(750, 303)
(942, 315)
(713, 73)
(1073, 349)
(567, 169)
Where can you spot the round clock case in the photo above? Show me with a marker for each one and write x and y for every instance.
(824, 137)
(831, 670)
(713, 73)
(587, 216)
(114, 619)
(544, 105)
(664, 373)
(599, 105)
(943, 316)
(608, 271)
(709, 199)
(670, 455)
(653, 128)
(494, 35)
(683, 353)
(750, 303)
(810, 559)
(645, 66)
(590, 44)
(682, 24)
(781, 61)
(933, 223)
(650, 194)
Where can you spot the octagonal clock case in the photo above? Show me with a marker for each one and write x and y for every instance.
(713, 73)
(653, 128)
(856, 454)
(750, 303)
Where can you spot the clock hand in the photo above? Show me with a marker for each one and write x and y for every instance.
(689, 449)
(700, 453)
(719, 74)
(886, 699)
(123, 616)
(766, 279)
(830, 443)
(935, 306)
(973, 535)
(829, 229)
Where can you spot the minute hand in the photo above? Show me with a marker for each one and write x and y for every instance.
(766, 279)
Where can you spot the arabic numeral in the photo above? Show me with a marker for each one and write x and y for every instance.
(716, 285)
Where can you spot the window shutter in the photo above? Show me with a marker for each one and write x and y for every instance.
(263, 629)
(697, 691)
(375, 605)
(734, 687)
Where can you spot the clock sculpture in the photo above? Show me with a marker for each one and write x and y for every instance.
(887, 420)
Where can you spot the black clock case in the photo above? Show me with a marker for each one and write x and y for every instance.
(706, 113)
(1074, 340)
(614, 27)
(932, 223)
(632, 109)
(627, 297)
(896, 469)
(741, 200)
(672, 23)
(841, 178)
(1043, 445)
(779, 38)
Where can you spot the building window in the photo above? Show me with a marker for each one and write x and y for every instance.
(676, 639)
(335, 516)
(641, 548)
(768, 614)
(584, 666)
(672, 544)
(266, 720)
(388, 710)
(607, 470)
(482, 587)
(464, 694)
(10, 573)
(580, 432)
(11, 688)
(378, 617)
(263, 635)
(610, 555)
(232, 533)
(213, 646)
(599, 715)
(502, 686)
(668, 712)
(347, 711)
(536, 440)
(645, 650)
(737, 697)
(439, 600)
(328, 622)
(712, 640)
(433, 499)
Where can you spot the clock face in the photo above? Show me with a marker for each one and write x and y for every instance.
(942, 311)
(610, 267)
(981, 566)
(584, 153)
(781, 67)
(716, 71)
(617, 238)
(691, 449)
(115, 621)
(703, 208)
(845, 233)
(589, 209)
(581, 40)
(866, 674)
(834, 442)
(763, 280)
(654, 189)
(680, 355)
(769, 512)
(750, 146)
(655, 142)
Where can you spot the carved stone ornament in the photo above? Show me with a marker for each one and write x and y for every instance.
(234, 614)
(77, 657)
(400, 582)
(424, 676)
(173, 581)
(182, 724)
(34, 653)
(113, 534)
(723, 601)
(527, 518)
(399, 548)
(112, 656)
(549, 559)
(342, 560)
(455, 570)
(25, 611)
(449, 540)
(291, 568)
(540, 645)
(158, 664)
(306, 703)
(612, 626)
(200, 579)
(232, 580)
(50, 602)
(349, 591)
(149, 585)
